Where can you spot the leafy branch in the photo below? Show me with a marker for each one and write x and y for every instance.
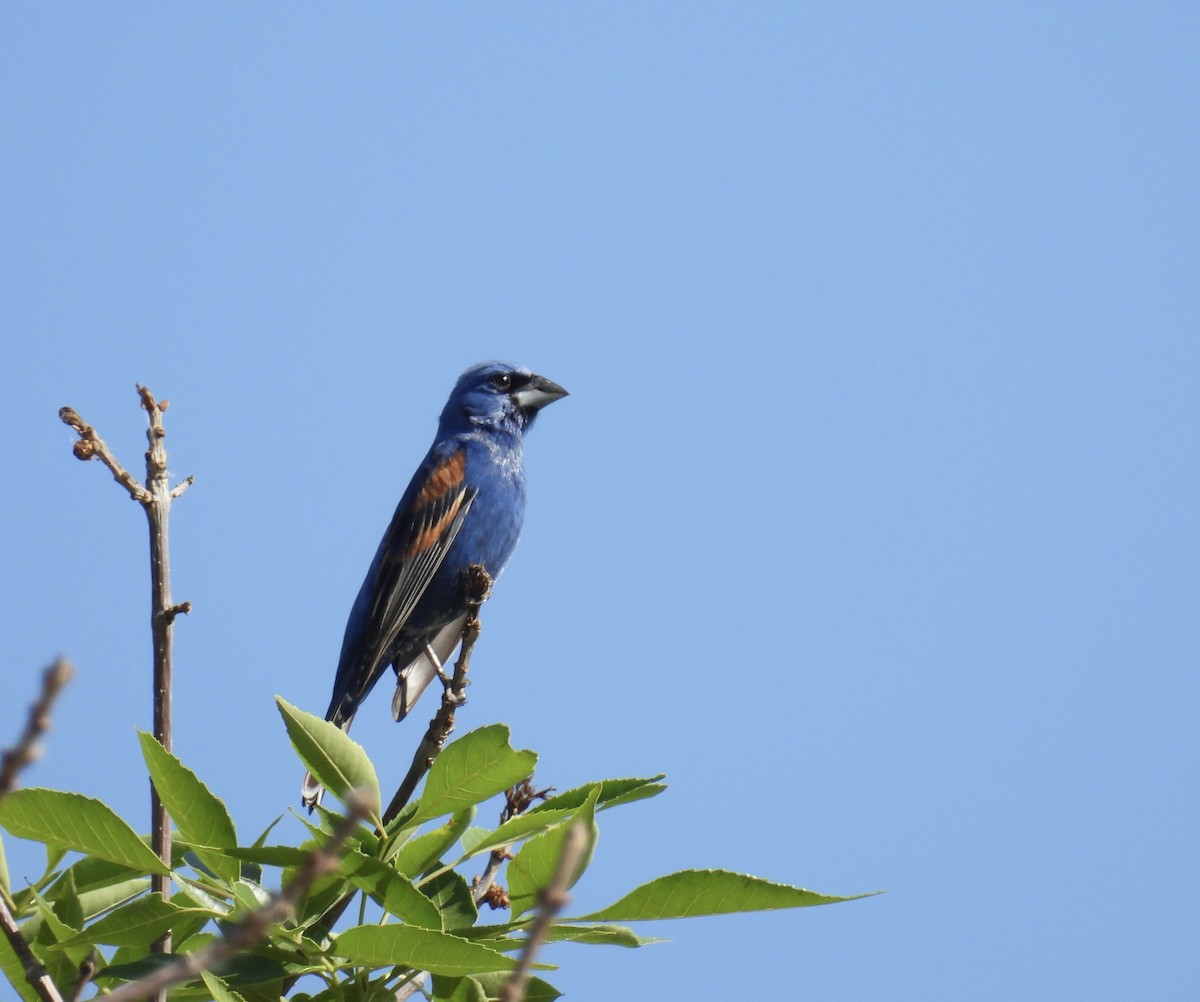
(102, 917)
(252, 929)
(478, 588)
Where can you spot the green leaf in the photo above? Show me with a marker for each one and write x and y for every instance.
(254, 870)
(270, 991)
(452, 896)
(271, 855)
(136, 924)
(613, 792)
(600, 935)
(203, 909)
(532, 869)
(498, 937)
(90, 872)
(98, 900)
(362, 838)
(66, 904)
(457, 990)
(319, 899)
(192, 896)
(72, 821)
(60, 965)
(266, 992)
(331, 755)
(120, 956)
(201, 817)
(393, 891)
(245, 969)
(536, 990)
(416, 855)
(133, 969)
(519, 827)
(220, 991)
(262, 839)
(423, 949)
(54, 855)
(5, 886)
(250, 896)
(709, 892)
(476, 766)
(248, 969)
(473, 837)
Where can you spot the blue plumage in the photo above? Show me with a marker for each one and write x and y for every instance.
(465, 505)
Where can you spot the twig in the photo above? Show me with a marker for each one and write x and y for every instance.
(87, 971)
(35, 973)
(255, 926)
(478, 588)
(517, 800)
(413, 987)
(481, 886)
(553, 899)
(26, 751)
(92, 446)
(155, 497)
(14, 760)
(162, 622)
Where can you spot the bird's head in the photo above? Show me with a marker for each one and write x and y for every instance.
(501, 396)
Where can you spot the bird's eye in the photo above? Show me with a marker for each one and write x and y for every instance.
(502, 380)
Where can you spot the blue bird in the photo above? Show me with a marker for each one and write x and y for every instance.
(464, 506)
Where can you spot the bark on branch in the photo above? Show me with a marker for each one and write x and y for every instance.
(155, 496)
(16, 758)
(478, 586)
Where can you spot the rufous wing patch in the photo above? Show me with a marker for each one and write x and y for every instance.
(444, 479)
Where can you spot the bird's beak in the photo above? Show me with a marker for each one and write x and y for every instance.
(537, 393)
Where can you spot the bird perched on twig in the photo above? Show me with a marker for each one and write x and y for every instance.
(464, 506)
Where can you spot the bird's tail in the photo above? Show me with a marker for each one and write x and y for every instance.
(414, 679)
(311, 791)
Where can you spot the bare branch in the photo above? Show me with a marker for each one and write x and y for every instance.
(478, 588)
(87, 971)
(162, 623)
(413, 987)
(517, 800)
(92, 446)
(182, 609)
(255, 926)
(26, 751)
(35, 973)
(482, 887)
(553, 899)
(155, 497)
(14, 760)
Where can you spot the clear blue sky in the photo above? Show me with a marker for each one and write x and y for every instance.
(871, 519)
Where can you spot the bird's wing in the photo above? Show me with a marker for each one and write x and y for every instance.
(413, 548)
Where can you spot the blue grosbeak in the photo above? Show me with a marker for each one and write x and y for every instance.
(464, 506)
